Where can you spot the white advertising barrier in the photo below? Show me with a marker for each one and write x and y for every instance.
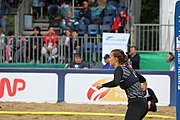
(114, 41)
(29, 87)
(80, 88)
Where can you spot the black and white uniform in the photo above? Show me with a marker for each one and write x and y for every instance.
(137, 103)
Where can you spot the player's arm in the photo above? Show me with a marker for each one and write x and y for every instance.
(117, 78)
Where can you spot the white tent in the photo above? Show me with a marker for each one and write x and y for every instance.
(167, 10)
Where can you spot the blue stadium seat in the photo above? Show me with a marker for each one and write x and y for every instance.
(88, 47)
(105, 28)
(93, 29)
(82, 29)
(111, 13)
(123, 5)
(108, 20)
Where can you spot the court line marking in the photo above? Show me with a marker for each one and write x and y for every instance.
(76, 113)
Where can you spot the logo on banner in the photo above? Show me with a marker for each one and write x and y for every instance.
(95, 94)
(111, 38)
(106, 94)
(11, 89)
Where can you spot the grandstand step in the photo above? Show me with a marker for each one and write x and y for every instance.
(41, 21)
(41, 25)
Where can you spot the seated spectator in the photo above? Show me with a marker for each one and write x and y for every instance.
(134, 58)
(69, 22)
(50, 43)
(78, 62)
(4, 7)
(85, 14)
(107, 64)
(95, 14)
(37, 5)
(76, 42)
(53, 10)
(34, 45)
(10, 46)
(120, 23)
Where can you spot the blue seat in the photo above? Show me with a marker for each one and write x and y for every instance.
(111, 13)
(99, 47)
(88, 47)
(93, 29)
(123, 5)
(108, 20)
(105, 28)
(82, 29)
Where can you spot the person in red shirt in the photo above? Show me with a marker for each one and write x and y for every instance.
(50, 43)
(120, 23)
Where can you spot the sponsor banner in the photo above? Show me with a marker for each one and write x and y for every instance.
(29, 87)
(80, 88)
(114, 41)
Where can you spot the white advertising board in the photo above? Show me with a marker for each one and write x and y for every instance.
(29, 87)
(114, 41)
(80, 88)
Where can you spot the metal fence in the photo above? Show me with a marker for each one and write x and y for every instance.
(148, 37)
(51, 50)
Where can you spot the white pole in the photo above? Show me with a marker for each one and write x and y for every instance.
(73, 7)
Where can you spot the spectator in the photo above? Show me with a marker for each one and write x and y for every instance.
(69, 22)
(68, 45)
(50, 43)
(78, 62)
(4, 6)
(2, 38)
(85, 14)
(53, 10)
(107, 64)
(21, 46)
(151, 97)
(34, 45)
(120, 23)
(10, 46)
(134, 58)
(171, 58)
(96, 11)
(76, 42)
